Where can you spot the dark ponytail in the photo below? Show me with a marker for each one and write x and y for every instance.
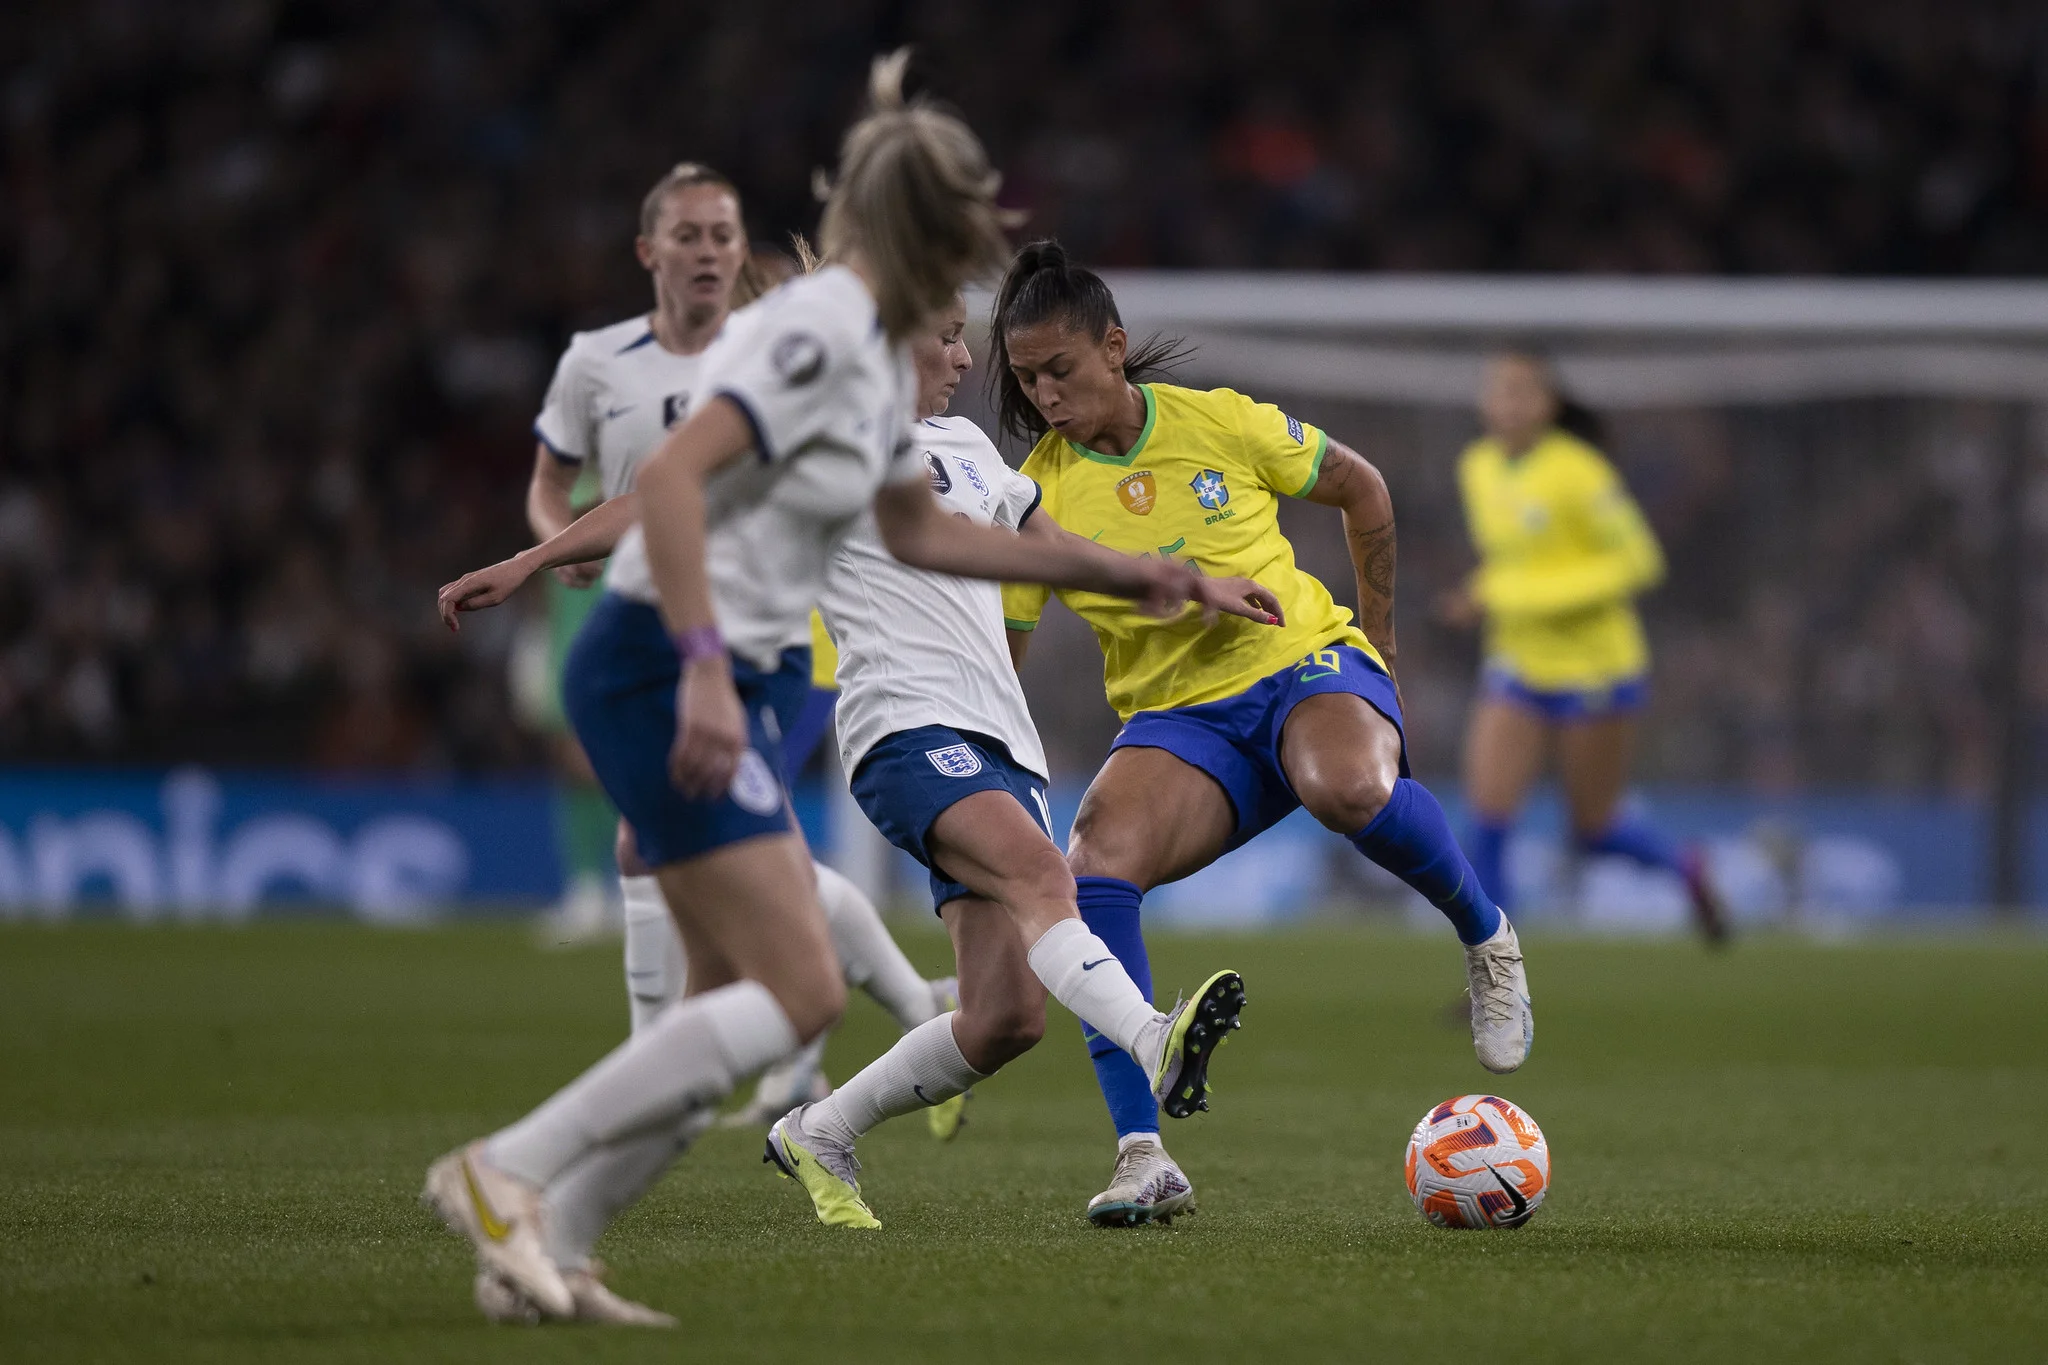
(1043, 285)
(1576, 419)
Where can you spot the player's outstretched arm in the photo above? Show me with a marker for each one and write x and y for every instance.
(920, 533)
(550, 507)
(591, 536)
(1232, 596)
(1350, 483)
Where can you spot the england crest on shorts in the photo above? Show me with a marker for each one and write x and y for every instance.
(958, 760)
(754, 788)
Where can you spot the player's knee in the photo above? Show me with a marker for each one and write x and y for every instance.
(1041, 876)
(1349, 801)
(1098, 848)
(999, 1032)
(813, 1003)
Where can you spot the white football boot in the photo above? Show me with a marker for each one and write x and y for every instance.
(498, 1299)
(500, 1215)
(1146, 1187)
(1503, 1025)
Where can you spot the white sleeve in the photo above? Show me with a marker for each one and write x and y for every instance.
(907, 463)
(566, 424)
(792, 381)
(1017, 499)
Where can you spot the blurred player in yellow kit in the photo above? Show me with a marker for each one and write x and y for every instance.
(1226, 730)
(1563, 553)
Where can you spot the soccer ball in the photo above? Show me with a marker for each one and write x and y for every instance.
(1477, 1162)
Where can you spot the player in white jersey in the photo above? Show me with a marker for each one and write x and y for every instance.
(616, 393)
(802, 425)
(945, 760)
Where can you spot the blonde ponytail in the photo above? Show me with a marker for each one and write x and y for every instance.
(915, 197)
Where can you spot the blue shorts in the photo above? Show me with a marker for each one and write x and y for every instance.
(1237, 740)
(801, 733)
(619, 689)
(1574, 704)
(909, 779)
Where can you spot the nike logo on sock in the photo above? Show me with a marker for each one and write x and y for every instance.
(918, 1091)
(1091, 966)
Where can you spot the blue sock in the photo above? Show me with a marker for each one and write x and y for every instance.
(1411, 839)
(1489, 858)
(1109, 907)
(1634, 837)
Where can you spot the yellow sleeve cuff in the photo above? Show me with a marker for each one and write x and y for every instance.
(1315, 464)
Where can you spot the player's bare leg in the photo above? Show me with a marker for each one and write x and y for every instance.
(1504, 751)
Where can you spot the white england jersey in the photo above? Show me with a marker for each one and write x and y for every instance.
(921, 648)
(829, 399)
(615, 394)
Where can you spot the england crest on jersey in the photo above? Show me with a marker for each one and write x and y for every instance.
(957, 760)
(1210, 489)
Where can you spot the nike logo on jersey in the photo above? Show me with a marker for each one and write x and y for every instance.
(1091, 966)
(613, 414)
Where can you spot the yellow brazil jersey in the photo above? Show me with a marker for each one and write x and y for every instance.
(1202, 485)
(1563, 550)
(824, 656)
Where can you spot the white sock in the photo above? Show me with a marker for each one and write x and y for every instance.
(1082, 974)
(1130, 1140)
(868, 956)
(924, 1068)
(788, 1082)
(655, 967)
(689, 1055)
(584, 1199)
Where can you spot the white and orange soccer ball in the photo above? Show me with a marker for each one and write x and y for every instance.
(1477, 1162)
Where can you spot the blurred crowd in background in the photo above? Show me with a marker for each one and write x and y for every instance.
(283, 284)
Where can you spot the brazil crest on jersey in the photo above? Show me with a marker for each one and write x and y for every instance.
(1202, 485)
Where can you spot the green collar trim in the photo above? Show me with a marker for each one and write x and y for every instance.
(1151, 419)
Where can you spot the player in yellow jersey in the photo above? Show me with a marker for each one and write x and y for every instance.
(1226, 730)
(1563, 553)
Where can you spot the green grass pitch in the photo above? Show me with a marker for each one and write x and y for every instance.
(211, 1140)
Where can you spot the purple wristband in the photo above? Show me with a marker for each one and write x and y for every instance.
(700, 642)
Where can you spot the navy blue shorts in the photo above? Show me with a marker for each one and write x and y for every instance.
(909, 779)
(1237, 740)
(802, 732)
(619, 689)
(1574, 704)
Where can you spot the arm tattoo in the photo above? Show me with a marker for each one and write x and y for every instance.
(1372, 554)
